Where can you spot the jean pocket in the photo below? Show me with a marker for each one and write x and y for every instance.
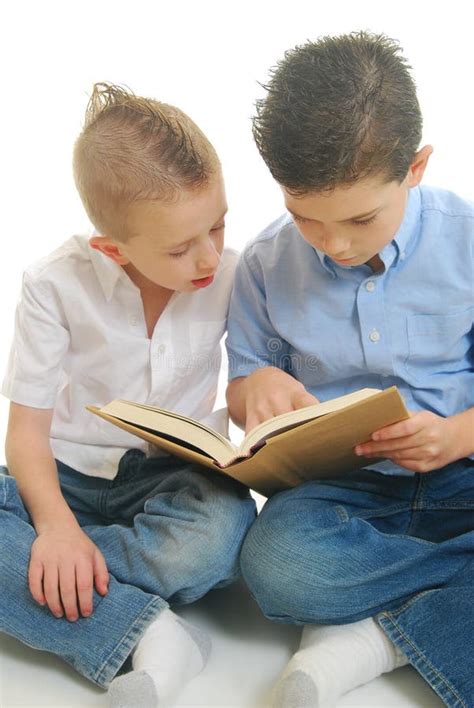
(438, 343)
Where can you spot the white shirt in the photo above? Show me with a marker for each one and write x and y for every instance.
(81, 339)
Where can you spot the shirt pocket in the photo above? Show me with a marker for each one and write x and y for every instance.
(438, 343)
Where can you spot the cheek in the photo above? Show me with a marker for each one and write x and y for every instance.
(394, 219)
(307, 232)
(176, 267)
(387, 230)
(166, 271)
(158, 267)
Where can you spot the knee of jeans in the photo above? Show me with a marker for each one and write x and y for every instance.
(10, 499)
(16, 535)
(211, 559)
(222, 507)
(225, 523)
(297, 582)
(261, 564)
(201, 544)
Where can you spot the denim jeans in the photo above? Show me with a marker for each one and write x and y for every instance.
(400, 549)
(169, 532)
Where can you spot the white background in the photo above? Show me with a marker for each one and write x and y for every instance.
(206, 57)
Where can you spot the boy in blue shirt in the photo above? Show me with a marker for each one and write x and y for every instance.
(97, 539)
(367, 282)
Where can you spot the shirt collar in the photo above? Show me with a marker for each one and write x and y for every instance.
(108, 272)
(396, 250)
(409, 227)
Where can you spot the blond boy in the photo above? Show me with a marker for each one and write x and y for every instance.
(99, 539)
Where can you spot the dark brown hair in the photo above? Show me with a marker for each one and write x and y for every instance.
(337, 110)
(133, 148)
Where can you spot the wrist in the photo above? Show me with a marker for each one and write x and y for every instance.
(55, 517)
(463, 433)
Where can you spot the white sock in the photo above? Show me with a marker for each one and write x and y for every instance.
(168, 655)
(333, 660)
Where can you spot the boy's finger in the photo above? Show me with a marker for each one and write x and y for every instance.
(255, 416)
(250, 423)
(35, 581)
(67, 586)
(51, 590)
(304, 399)
(277, 404)
(387, 446)
(398, 430)
(84, 586)
(101, 574)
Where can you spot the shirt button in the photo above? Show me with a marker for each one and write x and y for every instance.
(133, 320)
(402, 256)
(370, 286)
(374, 336)
(161, 349)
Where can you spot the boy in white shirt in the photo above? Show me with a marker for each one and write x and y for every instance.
(97, 538)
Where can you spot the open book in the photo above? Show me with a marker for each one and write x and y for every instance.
(312, 442)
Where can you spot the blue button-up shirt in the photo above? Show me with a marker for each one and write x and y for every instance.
(338, 329)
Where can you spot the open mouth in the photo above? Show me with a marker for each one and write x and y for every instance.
(203, 282)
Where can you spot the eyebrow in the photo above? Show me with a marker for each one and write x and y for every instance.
(178, 245)
(188, 240)
(343, 221)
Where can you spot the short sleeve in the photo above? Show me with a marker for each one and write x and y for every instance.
(40, 343)
(252, 341)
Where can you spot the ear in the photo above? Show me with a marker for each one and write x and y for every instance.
(109, 248)
(418, 166)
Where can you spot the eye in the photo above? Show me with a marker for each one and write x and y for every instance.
(300, 219)
(179, 254)
(365, 221)
(219, 227)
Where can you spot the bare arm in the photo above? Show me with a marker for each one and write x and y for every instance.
(31, 462)
(64, 562)
(235, 396)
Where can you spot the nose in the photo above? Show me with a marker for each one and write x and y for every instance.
(334, 244)
(208, 257)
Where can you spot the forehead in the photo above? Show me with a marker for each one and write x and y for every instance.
(343, 202)
(184, 217)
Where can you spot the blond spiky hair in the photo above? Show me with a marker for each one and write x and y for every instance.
(133, 148)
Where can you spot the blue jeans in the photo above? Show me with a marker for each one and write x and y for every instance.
(400, 549)
(169, 532)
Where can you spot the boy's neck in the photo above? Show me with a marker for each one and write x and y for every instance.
(154, 297)
(375, 263)
(147, 287)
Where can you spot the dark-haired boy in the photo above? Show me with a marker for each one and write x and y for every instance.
(369, 282)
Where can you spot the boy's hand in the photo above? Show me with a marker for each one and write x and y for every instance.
(422, 443)
(64, 567)
(271, 392)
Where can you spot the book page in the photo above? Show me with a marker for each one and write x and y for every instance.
(173, 425)
(285, 421)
